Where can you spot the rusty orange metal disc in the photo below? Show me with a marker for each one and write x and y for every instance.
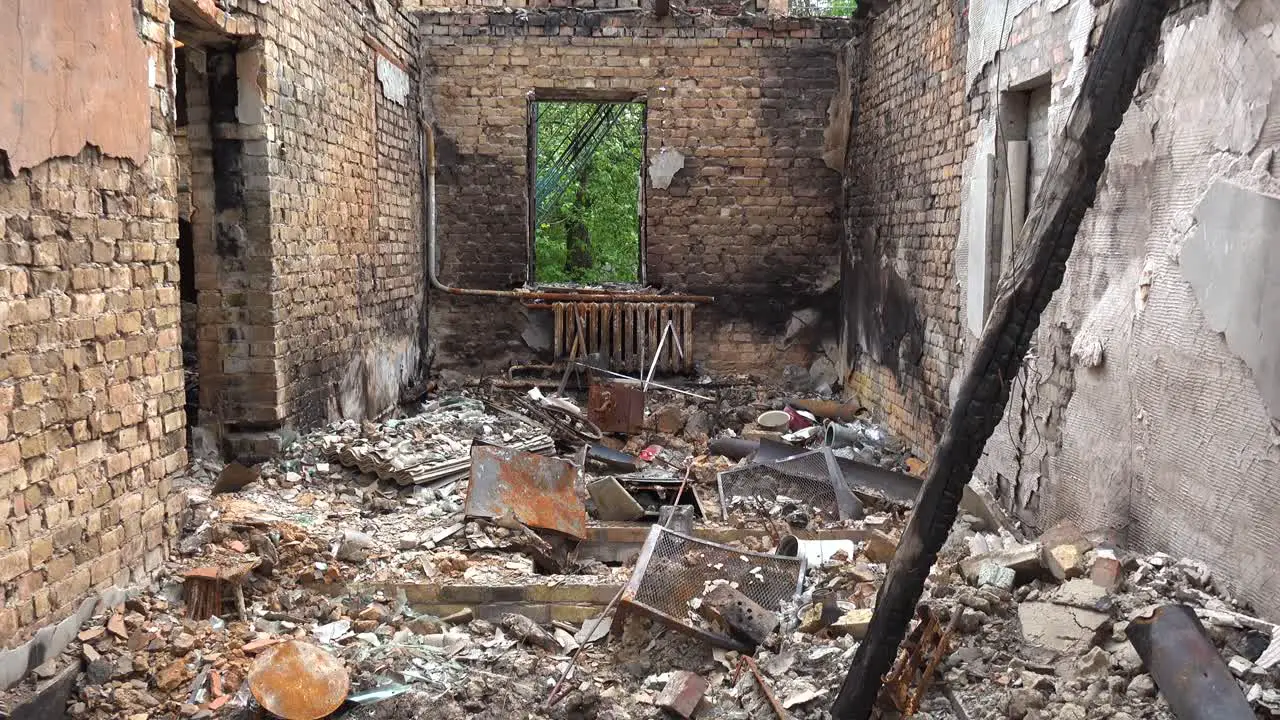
(298, 681)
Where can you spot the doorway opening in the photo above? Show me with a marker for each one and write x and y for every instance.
(586, 191)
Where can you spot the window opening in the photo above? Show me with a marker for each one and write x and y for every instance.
(587, 193)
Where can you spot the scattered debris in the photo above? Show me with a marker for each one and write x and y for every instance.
(477, 603)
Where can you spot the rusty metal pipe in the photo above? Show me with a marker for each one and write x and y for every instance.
(827, 409)
(429, 173)
(1186, 666)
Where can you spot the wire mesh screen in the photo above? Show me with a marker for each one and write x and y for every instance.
(811, 479)
(675, 570)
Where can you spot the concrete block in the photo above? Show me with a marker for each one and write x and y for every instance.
(853, 623)
(1064, 548)
(996, 575)
(1058, 627)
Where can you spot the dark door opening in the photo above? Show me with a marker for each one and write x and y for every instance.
(586, 169)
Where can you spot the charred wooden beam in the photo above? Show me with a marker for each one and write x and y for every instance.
(1129, 37)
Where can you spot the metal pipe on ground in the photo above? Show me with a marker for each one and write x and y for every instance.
(1186, 666)
(838, 436)
(732, 448)
(827, 409)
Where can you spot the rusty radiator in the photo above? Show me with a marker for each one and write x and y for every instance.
(625, 334)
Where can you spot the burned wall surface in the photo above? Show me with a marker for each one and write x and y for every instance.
(312, 293)
(344, 194)
(749, 219)
(91, 422)
(900, 324)
(1146, 408)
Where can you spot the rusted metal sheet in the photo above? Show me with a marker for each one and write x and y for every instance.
(533, 489)
(1186, 666)
(74, 73)
(298, 681)
(616, 406)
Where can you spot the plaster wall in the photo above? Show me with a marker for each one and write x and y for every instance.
(1147, 407)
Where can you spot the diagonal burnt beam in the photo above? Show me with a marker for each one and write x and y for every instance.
(1129, 37)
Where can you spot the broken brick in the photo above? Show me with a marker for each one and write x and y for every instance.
(683, 692)
(1107, 570)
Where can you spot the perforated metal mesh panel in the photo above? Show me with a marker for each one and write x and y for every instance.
(805, 478)
(674, 568)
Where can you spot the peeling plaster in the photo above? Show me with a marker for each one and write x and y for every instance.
(840, 113)
(1233, 263)
(395, 81)
(372, 381)
(663, 166)
(73, 72)
(1159, 423)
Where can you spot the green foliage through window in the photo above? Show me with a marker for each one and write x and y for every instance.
(587, 190)
(822, 8)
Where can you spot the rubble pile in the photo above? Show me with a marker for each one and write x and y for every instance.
(745, 607)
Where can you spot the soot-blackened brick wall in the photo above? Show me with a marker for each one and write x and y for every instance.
(751, 218)
(347, 286)
(900, 301)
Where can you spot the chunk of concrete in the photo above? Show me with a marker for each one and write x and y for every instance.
(853, 623)
(1059, 628)
(1095, 663)
(682, 693)
(613, 502)
(1064, 551)
(1080, 593)
(879, 547)
(1023, 559)
(996, 575)
(234, 477)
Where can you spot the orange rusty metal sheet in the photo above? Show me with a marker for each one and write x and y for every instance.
(536, 490)
(616, 406)
(74, 72)
(298, 681)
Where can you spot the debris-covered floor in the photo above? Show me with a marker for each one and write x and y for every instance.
(497, 557)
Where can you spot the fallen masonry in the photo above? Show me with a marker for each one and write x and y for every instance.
(359, 576)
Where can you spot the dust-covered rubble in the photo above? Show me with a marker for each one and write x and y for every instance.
(332, 544)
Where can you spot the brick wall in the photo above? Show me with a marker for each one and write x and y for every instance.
(300, 179)
(900, 301)
(750, 218)
(308, 242)
(91, 422)
(344, 204)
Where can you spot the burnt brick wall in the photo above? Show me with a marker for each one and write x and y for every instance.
(750, 219)
(346, 268)
(901, 304)
(317, 313)
(91, 395)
